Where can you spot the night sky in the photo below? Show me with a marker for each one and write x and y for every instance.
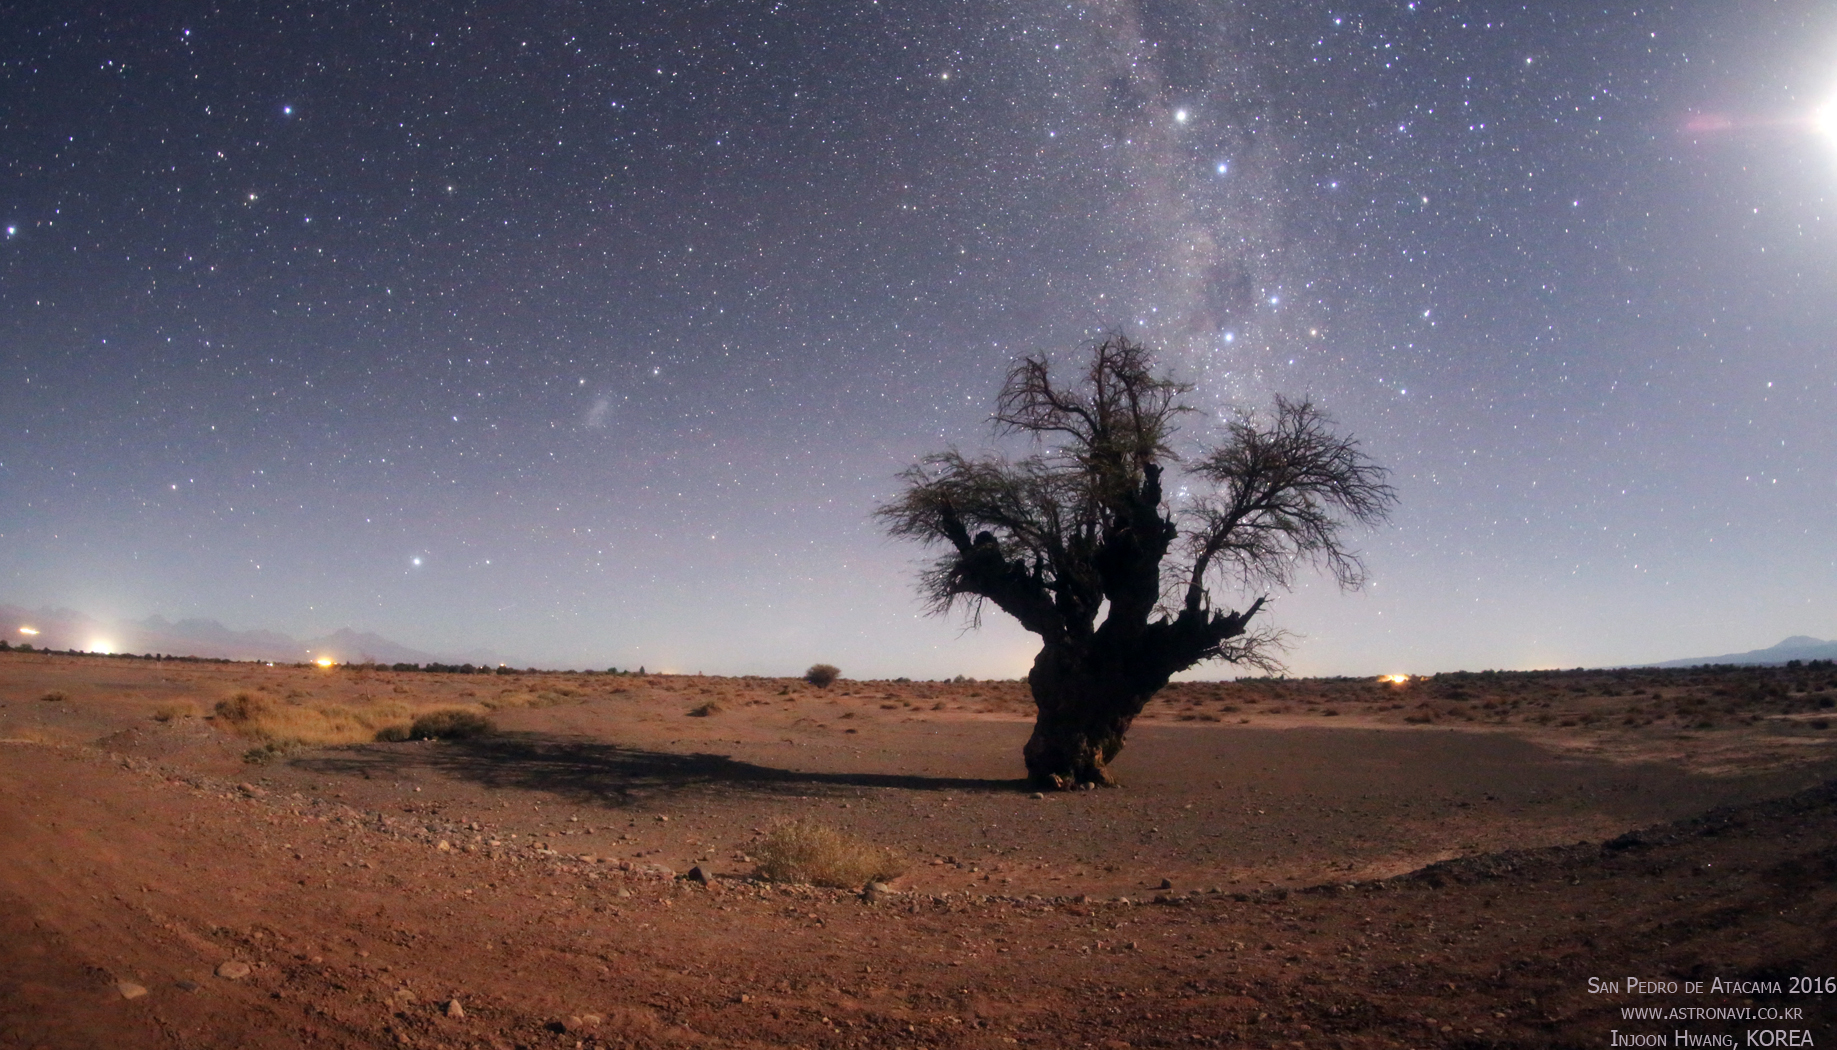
(591, 333)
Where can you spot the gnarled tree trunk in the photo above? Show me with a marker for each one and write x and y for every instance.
(1085, 707)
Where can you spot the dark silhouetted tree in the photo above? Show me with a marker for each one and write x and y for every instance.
(1081, 544)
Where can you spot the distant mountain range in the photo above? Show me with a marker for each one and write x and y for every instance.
(66, 629)
(1798, 647)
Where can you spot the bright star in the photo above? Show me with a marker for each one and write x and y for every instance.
(415, 560)
(1180, 116)
(286, 111)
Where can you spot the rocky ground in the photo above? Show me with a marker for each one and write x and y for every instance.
(1340, 863)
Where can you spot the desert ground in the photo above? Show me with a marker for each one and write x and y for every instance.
(198, 854)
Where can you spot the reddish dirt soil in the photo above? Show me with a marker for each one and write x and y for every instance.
(1338, 863)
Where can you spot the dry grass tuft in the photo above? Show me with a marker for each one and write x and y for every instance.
(538, 699)
(710, 708)
(290, 724)
(168, 712)
(452, 723)
(54, 696)
(808, 851)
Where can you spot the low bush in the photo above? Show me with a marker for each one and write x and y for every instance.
(243, 709)
(808, 851)
(454, 723)
(822, 675)
(703, 711)
(54, 696)
(293, 724)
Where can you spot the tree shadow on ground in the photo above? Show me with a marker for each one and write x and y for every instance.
(591, 771)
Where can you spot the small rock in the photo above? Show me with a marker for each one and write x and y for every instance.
(129, 990)
(1039, 794)
(661, 819)
(624, 892)
(696, 874)
(1166, 884)
(874, 891)
(445, 846)
(233, 969)
(454, 1010)
(185, 986)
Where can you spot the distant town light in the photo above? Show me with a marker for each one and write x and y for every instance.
(1395, 679)
(324, 661)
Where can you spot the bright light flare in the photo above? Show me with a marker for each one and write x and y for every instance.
(1824, 120)
(325, 661)
(102, 645)
(1395, 679)
(28, 630)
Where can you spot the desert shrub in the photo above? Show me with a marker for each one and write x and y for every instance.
(168, 712)
(454, 723)
(296, 724)
(54, 696)
(243, 709)
(822, 675)
(808, 851)
(392, 734)
(268, 752)
(704, 710)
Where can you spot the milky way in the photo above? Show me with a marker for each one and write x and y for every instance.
(591, 334)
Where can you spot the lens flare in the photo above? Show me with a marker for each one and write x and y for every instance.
(1395, 679)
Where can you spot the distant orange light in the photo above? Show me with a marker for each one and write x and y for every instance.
(1395, 679)
(28, 630)
(324, 661)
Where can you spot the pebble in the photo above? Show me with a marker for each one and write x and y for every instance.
(233, 969)
(696, 874)
(129, 990)
(454, 1010)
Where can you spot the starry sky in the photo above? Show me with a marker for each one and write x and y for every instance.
(590, 334)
